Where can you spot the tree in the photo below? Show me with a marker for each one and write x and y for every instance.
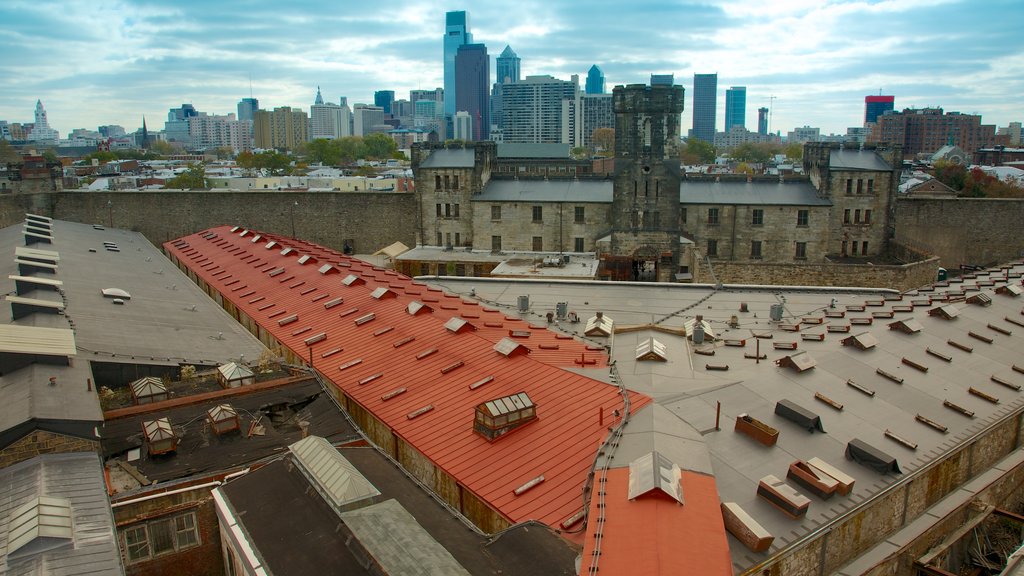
(192, 179)
(698, 151)
(275, 163)
(751, 153)
(246, 160)
(579, 153)
(323, 151)
(951, 174)
(350, 149)
(162, 147)
(102, 156)
(224, 152)
(795, 152)
(380, 146)
(51, 156)
(603, 140)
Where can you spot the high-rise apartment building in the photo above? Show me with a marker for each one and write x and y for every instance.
(532, 111)
(280, 128)
(325, 119)
(597, 113)
(762, 121)
(384, 99)
(176, 128)
(926, 130)
(736, 107)
(456, 34)
(507, 66)
(246, 108)
(663, 79)
(595, 81)
(705, 106)
(472, 83)
(208, 132)
(875, 106)
(463, 126)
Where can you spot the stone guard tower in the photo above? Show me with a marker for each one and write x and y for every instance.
(645, 206)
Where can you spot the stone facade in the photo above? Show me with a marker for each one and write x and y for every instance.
(978, 231)
(40, 442)
(645, 202)
(561, 226)
(731, 234)
(444, 192)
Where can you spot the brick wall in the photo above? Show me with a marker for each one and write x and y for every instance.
(43, 442)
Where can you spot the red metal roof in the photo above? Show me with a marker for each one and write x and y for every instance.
(415, 374)
(654, 534)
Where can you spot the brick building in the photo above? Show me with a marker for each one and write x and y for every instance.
(926, 130)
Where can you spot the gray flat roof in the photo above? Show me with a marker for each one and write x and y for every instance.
(27, 395)
(751, 193)
(688, 389)
(542, 151)
(562, 190)
(849, 159)
(168, 319)
(449, 158)
(78, 477)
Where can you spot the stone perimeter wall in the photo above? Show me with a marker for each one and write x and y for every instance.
(370, 220)
(980, 231)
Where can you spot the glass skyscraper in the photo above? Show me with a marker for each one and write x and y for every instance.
(705, 104)
(472, 83)
(736, 107)
(456, 33)
(875, 106)
(595, 80)
(507, 66)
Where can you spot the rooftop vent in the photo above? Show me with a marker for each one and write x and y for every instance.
(980, 299)
(353, 280)
(148, 390)
(41, 524)
(599, 325)
(271, 245)
(498, 417)
(948, 312)
(223, 419)
(327, 269)
(307, 259)
(908, 326)
(458, 325)
(698, 330)
(509, 348)
(160, 436)
(1010, 290)
(415, 307)
(799, 361)
(654, 471)
(383, 293)
(862, 341)
(651, 349)
(287, 251)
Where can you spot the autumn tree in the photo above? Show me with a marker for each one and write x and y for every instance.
(698, 151)
(603, 140)
(8, 155)
(194, 178)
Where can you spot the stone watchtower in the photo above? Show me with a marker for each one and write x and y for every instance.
(645, 206)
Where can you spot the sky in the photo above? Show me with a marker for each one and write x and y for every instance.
(812, 62)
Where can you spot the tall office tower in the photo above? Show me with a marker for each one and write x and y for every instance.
(595, 80)
(736, 107)
(436, 95)
(463, 125)
(875, 106)
(429, 115)
(532, 111)
(597, 113)
(507, 66)
(384, 99)
(247, 107)
(472, 80)
(456, 34)
(663, 79)
(705, 106)
(282, 128)
(41, 131)
(762, 121)
(176, 127)
(324, 119)
(366, 119)
(572, 116)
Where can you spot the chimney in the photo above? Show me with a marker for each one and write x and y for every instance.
(53, 380)
(599, 315)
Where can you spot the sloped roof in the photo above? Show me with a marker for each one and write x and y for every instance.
(393, 250)
(334, 476)
(395, 350)
(449, 158)
(853, 159)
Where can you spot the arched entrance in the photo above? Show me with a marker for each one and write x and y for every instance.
(644, 264)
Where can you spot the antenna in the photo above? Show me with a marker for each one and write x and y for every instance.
(250, 84)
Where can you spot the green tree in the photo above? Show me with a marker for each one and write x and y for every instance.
(580, 153)
(698, 151)
(162, 148)
(951, 174)
(275, 163)
(102, 156)
(795, 152)
(380, 146)
(246, 160)
(224, 152)
(751, 153)
(51, 156)
(192, 179)
(350, 149)
(323, 151)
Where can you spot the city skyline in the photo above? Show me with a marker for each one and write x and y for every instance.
(118, 62)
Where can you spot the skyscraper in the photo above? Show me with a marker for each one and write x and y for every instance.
(456, 33)
(595, 80)
(42, 132)
(384, 99)
(762, 121)
(472, 80)
(875, 106)
(736, 107)
(324, 119)
(662, 79)
(247, 107)
(507, 66)
(705, 106)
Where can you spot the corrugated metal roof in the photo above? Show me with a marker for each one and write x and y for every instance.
(529, 150)
(17, 339)
(74, 478)
(850, 159)
(333, 475)
(559, 445)
(751, 193)
(449, 158)
(560, 190)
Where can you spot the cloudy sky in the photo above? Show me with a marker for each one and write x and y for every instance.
(112, 62)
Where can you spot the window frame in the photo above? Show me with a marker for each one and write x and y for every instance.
(537, 213)
(757, 217)
(579, 215)
(180, 530)
(713, 217)
(496, 212)
(756, 250)
(803, 218)
(801, 251)
(712, 248)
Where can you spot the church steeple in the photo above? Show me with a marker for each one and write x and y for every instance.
(145, 134)
(319, 99)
